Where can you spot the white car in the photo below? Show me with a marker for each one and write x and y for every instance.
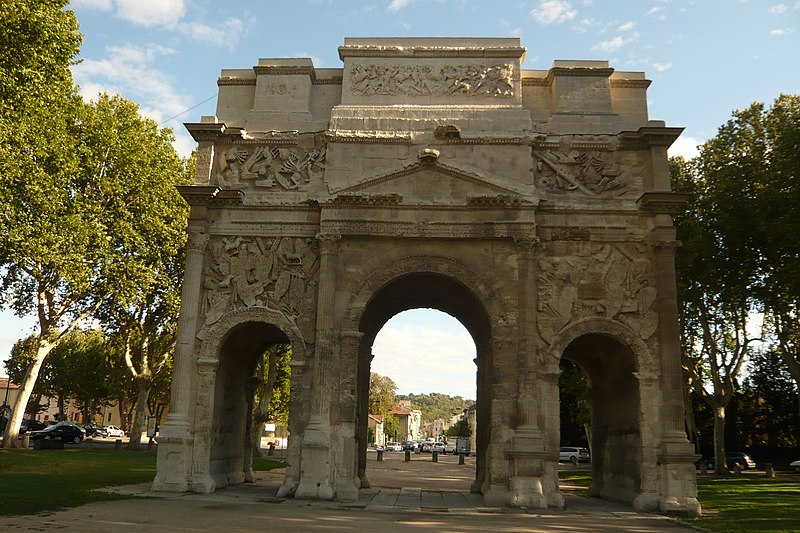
(394, 447)
(438, 447)
(573, 454)
(114, 431)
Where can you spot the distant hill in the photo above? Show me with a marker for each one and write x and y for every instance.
(436, 405)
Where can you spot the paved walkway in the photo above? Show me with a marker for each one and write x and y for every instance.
(414, 496)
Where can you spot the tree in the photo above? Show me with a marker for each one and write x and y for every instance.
(716, 279)
(769, 403)
(575, 405)
(48, 258)
(150, 230)
(459, 429)
(382, 391)
(271, 396)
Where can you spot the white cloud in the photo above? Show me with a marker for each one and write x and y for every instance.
(661, 67)
(654, 10)
(780, 32)
(779, 9)
(397, 5)
(130, 71)
(583, 25)
(227, 33)
(628, 26)
(609, 46)
(151, 12)
(100, 5)
(685, 146)
(423, 360)
(553, 12)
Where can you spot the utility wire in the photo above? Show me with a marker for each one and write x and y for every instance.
(187, 110)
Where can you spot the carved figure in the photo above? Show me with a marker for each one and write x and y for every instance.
(247, 271)
(424, 80)
(608, 282)
(590, 172)
(265, 166)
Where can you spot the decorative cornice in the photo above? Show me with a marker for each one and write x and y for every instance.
(369, 137)
(581, 71)
(663, 202)
(630, 84)
(430, 51)
(648, 136)
(205, 131)
(366, 199)
(230, 80)
(210, 195)
(284, 70)
(537, 82)
(499, 200)
(336, 80)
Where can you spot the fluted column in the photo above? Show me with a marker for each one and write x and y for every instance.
(669, 339)
(191, 293)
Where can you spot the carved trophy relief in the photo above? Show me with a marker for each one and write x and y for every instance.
(426, 80)
(277, 273)
(268, 167)
(611, 282)
(595, 173)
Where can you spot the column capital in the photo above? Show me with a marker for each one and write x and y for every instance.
(197, 241)
(527, 244)
(328, 242)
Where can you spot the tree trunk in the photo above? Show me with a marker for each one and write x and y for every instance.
(720, 461)
(140, 413)
(264, 391)
(122, 405)
(26, 389)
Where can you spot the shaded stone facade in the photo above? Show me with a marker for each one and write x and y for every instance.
(533, 206)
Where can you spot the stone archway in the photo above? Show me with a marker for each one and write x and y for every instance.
(529, 204)
(223, 454)
(437, 282)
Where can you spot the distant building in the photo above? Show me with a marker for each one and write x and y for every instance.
(410, 420)
(375, 423)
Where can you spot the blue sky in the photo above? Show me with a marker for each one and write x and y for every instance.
(705, 57)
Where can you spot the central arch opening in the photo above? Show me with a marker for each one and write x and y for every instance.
(461, 316)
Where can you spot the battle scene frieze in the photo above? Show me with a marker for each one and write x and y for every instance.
(426, 80)
(267, 167)
(607, 280)
(276, 273)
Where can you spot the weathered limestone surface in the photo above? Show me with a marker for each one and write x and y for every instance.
(534, 206)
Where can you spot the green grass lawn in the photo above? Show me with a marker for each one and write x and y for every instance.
(749, 503)
(740, 504)
(47, 480)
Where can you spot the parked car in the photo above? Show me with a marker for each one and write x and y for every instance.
(64, 431)
(438, 447)
(394, 447)
(30, 425)
(450, 447)
(114, 431)
(573, 454)
(795, 466)
(734, 458)
(95, 431)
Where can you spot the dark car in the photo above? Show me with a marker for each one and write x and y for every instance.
(65, 432)
(732, 459)
(31, 425)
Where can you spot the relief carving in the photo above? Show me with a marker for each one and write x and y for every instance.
(268, 167)
(611, 282)
(277, 273)
(426, 80)
(591, 172)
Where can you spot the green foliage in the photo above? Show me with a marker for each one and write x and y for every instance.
(575, 404)
(768, 404)
(437, 405)
(459, 429)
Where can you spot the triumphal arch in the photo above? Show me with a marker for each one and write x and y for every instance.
(532, 205)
